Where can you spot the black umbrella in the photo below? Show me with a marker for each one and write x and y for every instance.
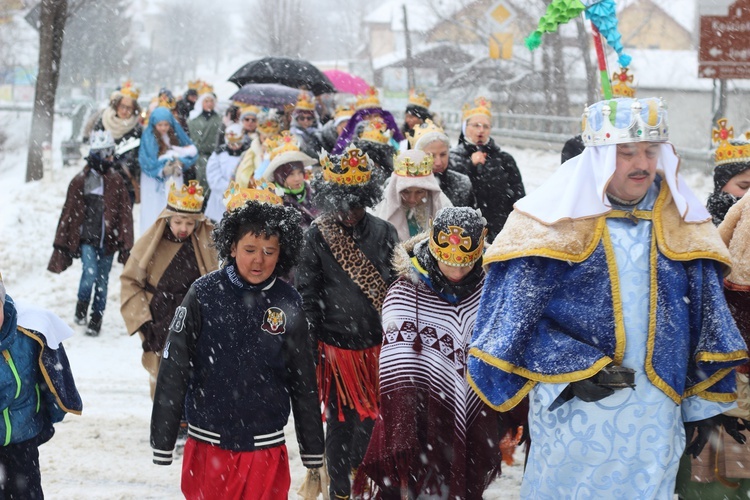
(294, 73)
(267, 95)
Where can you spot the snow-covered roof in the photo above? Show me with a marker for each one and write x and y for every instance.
(422, 14)
(684, 12)
(399, 55)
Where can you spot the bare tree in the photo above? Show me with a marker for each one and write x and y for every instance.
(277, 28)
(51, 30)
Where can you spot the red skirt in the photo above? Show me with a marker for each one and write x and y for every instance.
(209, 472)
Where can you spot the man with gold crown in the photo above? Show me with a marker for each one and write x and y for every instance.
(343, 276)
(603, 303)
(239, 358)
(305, 125)
(494, 176)
(174, 252)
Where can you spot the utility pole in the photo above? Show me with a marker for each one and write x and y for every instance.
(409, 67)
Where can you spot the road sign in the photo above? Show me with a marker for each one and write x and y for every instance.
(501, 45)
(725, 41)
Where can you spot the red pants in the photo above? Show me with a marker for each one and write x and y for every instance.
(209, 473)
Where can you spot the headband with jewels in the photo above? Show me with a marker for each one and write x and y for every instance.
(304, 102)
(482, 106)
(188, 198)
(622, 84)
(455, 247)
(736, 151)
(353, 168)
(345, 111)
(258, 191)
(413, 163)
(427, 131)
(376, 131)
(418, 98)
(623, 120)
(367, 100)
(128, 90)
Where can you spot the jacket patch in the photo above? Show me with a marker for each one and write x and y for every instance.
(178, 321)
(274, 321)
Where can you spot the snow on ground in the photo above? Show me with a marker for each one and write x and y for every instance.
(105, 452)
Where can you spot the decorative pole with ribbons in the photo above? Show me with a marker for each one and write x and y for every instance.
(602, 15)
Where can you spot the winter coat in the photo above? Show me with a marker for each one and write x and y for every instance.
(338, 312)
(236, 355)
(204, 131)
(328, 136)
(118, 221)
(497, 183)
(126, 164)
(159, 273)
(30, 405)
(309, 140)
(219, 172)
(457, 187)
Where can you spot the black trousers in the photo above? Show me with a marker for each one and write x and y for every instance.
(20, 478)
(346, 444)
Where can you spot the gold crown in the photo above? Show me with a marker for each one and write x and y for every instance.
(258, 191)
(269, 125)
(189, 198)
(166, 101)
(232, 137)
(418, 98)
(620, 84)
(376, 131)
(367, 100)
(343, 111)
(248, 108)
(423, 129)
(205, 88)
(194, 84)
(727, 152)
(454, 248)
(481, 107)
(304, 103)
(128, 90)
(408, 164)
(283, 143)
(353, 170)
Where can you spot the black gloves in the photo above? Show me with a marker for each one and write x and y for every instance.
(706, 427)
(601, 385)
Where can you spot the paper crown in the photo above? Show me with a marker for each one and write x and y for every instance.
(189, 198)
(621, 81)
(367, 100)
(283, 143)
(376, 131)
(205, 88)
(353, 168)
(413, 163)
(453, 248)
(269, 124)
(194, 84)
(248, 109)
(128, 90)
(233, 134)
(623, 120)
(258, 191)
(481, 106)
(304, 102)
(418, 98)
(426, 130)
(345, 111)
(166, 99)
(727, 152)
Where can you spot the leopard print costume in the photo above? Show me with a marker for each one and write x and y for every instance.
(355, 263)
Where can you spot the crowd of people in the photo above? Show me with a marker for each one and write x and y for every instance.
(412, 306)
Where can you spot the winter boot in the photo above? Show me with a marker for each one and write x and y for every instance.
(81, 309)
(95, 324)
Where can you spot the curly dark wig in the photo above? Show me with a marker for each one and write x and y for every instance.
(380, 154)
(261, 219)
(333, 197)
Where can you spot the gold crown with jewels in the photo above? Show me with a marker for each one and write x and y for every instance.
(368, 100)
(482, 106)
(189, 198)
(727, 152)
(418, 98)
(283, 143)
(413, 163)
(621, 81)
(376, 131)
(129, 90)
(258, 191)
(304, 102)
(353, 169)
(454, 247)
(425, 129)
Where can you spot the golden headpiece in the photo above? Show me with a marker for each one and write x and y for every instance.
(304, 102)
(269, 124)
(620, 84)
(233, 134)
(283, 143)
(413, 163)
(418, 98)
(246, 109)
(727, 152)
(425, 130)
(353, 169)
(189, 198)
(453, 248)
(205, 88)
(128, 90)
(167, 101)
(343, 111)
(258, 191)
(194, 84)
(367, 100)
(376, 131)
(482, 106)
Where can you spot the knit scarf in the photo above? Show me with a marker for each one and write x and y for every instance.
(116, 125)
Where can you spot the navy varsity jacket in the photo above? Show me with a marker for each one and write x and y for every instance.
(237, 355)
